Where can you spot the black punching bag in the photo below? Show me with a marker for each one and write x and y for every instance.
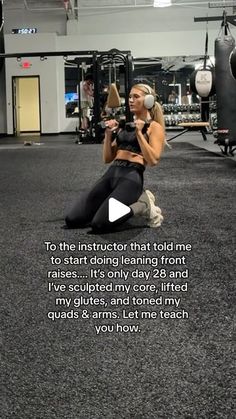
(232, 61)
(1, 35)
(225, 89)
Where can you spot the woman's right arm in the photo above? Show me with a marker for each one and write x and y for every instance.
(109, 145)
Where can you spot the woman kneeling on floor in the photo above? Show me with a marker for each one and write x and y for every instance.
(129, 150)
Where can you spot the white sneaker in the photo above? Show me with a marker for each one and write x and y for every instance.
(157, 219)
(152, 212)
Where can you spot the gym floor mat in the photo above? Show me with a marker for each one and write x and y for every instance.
(172, 369)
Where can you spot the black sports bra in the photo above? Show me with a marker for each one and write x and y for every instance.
(127, 140)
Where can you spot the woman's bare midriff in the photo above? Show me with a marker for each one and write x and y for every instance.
(130, 156)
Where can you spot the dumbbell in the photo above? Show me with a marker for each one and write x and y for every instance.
(102, 124)
(129, 126)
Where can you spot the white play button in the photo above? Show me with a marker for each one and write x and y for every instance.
(116, 210)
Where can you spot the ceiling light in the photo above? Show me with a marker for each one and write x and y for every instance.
(162, 3)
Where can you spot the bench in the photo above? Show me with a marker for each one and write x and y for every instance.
(192, 126)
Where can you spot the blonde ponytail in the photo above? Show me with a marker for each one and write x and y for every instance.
(157, 114)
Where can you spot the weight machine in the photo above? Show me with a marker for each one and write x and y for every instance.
(99, 62)
(95, 60)
(111, 59)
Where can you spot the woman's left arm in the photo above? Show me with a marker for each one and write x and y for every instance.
(152, 149)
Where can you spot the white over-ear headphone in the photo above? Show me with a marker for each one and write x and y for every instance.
(149, 99)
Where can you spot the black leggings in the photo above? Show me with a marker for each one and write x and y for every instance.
(122, 183)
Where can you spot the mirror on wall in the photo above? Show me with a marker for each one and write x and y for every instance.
(71, 89)
(76, 72)
(169, 76)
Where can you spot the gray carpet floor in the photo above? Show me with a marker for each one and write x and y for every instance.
(168, 369)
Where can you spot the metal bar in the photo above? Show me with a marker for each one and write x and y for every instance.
(178, 135)
(207, 19)
(96, 105)
(213, 18)
(46, 54)
(79, 97)
(53, 54)
(203, 135)
(128, 84)
(198, 3)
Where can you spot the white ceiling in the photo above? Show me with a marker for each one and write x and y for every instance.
(111, 3)
(128, 16)
(102, 6)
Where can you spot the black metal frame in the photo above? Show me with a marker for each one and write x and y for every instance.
(230, 19)
(114, 56)
(44, 54)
